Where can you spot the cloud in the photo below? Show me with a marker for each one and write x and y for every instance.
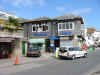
(25, 3)
(82, 11)
(60, 9)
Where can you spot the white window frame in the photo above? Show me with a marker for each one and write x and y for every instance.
(32, 27)
(42, 27)
(65, 26)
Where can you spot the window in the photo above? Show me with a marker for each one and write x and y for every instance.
(64, 26)
(75, 49)
(67, 25)
(60, 27)
(43, 28)
(34, 28)
(40, 27)
(46, 27)
(70, 25)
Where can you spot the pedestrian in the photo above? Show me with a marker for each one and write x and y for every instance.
(84, 47)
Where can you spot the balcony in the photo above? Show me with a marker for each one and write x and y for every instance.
(11, 33)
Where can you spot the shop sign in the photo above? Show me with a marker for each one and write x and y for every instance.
(65, 33)
(40, 34)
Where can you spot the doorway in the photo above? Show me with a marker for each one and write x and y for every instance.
(5, 49)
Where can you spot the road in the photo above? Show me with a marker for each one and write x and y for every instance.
(54, 66)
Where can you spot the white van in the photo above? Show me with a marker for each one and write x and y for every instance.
(72, 52)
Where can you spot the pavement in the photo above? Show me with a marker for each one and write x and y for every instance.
(23, 60)
(48, 65)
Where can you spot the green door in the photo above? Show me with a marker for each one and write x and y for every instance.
(23, 47)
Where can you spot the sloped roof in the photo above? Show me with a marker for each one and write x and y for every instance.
(42, 18)
(3, 21)
(38, 19)
(67, 16)
(63, 17)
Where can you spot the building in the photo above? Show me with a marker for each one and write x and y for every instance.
(40, 31)
(71, 30)
(10, 40)
(5, 15)
(67, 30)
(96, 37)
(89, 38)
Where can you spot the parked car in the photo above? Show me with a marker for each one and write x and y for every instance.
(34, 52)
(72, 52)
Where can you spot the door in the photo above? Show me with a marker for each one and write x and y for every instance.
(23, 47)
(77, 52)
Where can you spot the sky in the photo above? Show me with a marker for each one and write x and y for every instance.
(30, 9)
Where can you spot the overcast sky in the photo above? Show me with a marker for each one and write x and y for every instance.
(28, 9)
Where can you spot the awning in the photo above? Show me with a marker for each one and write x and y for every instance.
(37, 41)
(6, 39)
(53, 38)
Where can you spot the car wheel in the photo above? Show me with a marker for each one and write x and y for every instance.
(27, 55)
(39, 55)
(85, 55)
(60, 57)
(73, 57)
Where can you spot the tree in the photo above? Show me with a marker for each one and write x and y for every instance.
(14, 21)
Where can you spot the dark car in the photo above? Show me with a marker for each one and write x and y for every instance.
(34, 52)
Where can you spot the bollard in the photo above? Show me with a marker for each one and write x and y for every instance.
(91, 50)
(57, 51)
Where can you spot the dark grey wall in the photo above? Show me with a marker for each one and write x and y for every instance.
(53, 28)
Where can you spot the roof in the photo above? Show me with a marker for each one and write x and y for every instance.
(69, 16)
(3, 21)
(63, 17)
(41, 18)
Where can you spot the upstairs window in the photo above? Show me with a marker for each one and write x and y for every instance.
(65, 26)
(60, 27)
(34, 29)
(43, 27)
(70, 25)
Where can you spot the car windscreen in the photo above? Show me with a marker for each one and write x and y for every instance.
(63, 48)
(31, 49)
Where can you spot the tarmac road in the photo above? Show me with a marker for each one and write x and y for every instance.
(52, 66)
